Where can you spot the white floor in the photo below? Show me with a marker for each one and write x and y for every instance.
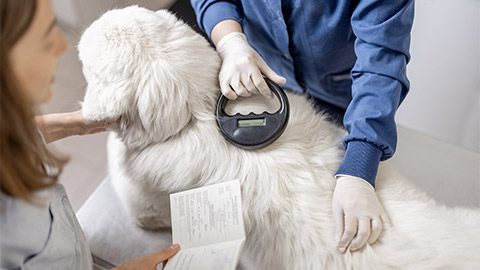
(448, 173)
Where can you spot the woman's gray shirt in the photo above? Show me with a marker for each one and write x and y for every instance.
(44, 234)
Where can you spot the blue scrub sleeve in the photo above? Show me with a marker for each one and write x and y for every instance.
(379, 84)
(211, 12)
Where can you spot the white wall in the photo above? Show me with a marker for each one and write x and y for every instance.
(444, 100)
(78, 14)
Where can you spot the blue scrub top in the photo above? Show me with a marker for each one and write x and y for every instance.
(352, 54)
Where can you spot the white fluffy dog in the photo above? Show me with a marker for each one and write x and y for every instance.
(160, 77)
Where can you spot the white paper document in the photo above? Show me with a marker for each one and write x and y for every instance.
(207, 222)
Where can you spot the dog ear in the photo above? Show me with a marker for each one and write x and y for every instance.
(107, 100)
(161, 104)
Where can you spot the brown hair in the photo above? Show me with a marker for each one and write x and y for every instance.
(24, 157)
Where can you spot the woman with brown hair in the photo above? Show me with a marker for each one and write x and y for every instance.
(38, 228)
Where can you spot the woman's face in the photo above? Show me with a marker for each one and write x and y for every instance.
(34, 56)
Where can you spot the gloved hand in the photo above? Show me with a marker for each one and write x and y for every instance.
(358, 214)
(242, 68)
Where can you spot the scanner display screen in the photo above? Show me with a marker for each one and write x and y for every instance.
(259, 122)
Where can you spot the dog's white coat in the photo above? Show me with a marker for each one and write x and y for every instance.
(160, 77)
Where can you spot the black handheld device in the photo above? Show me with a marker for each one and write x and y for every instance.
(253, 131)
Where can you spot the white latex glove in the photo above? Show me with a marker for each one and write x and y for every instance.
(358, 214)
(242, 68)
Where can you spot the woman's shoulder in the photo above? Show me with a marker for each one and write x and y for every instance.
(44, 234)
(24, 227)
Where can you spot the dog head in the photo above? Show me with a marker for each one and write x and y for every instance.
(150, 70)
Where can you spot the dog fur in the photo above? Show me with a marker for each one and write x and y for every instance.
(161, 78)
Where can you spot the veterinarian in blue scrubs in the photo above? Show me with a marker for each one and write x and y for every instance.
(350, 56)
(38, 228)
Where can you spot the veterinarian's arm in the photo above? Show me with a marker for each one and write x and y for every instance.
(224, 28)
(379, 85)
(150, 261)
(57, 126)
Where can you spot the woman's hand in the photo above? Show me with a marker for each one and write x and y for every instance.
(57, 126)
(151, 261)
(83, 127)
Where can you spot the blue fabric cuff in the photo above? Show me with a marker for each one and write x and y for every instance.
(361, 160)
(219, 12)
